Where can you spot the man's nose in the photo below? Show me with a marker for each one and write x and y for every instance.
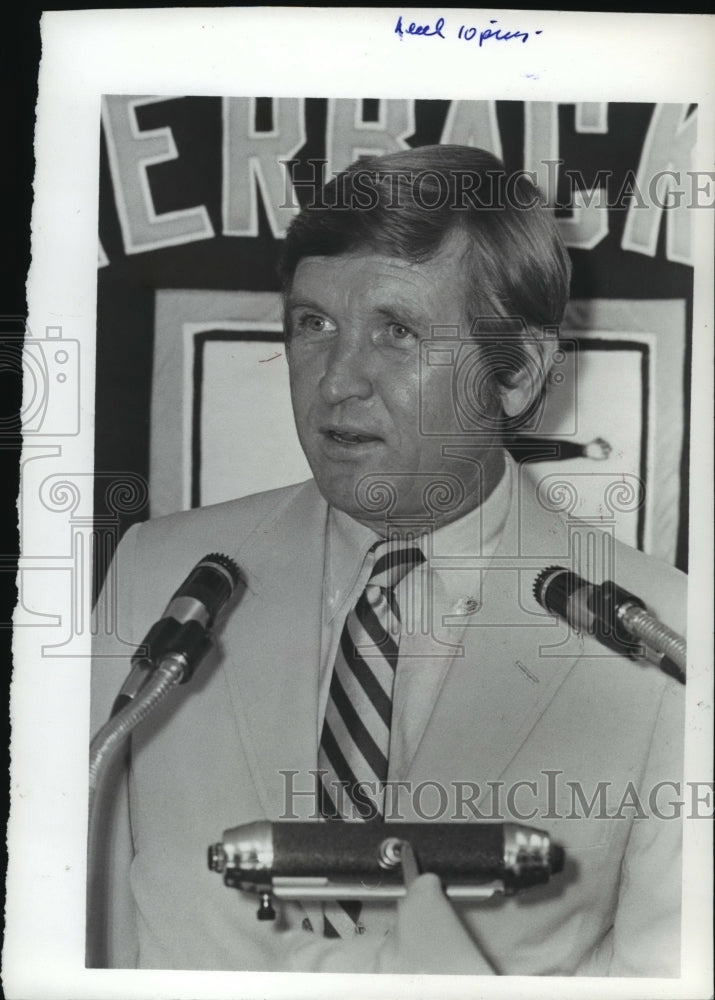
(347, 372)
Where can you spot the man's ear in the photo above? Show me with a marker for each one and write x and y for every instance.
(285, 323)
(536, 359)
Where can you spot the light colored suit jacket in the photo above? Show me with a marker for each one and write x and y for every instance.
(589, 735)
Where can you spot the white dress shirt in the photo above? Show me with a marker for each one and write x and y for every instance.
(436, 601)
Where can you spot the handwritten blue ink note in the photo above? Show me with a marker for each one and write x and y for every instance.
(420, 29)
(499, 34)
(465, 32)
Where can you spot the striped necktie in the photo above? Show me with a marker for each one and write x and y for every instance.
(355, 742)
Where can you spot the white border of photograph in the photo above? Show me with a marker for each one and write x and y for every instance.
(292, 51)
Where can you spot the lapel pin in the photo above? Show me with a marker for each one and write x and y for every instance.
(467, 606)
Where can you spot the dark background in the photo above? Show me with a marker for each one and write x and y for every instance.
(127, 285)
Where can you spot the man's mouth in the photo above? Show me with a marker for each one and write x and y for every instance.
(344, 436)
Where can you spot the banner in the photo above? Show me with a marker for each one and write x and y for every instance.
(196, 195)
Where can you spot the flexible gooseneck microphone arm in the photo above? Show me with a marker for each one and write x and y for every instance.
(172, 650)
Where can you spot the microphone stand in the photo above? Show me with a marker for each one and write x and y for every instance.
(170, 672)
(667, 648)
(175, 666)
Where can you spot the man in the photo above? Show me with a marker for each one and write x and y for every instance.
(422, 293)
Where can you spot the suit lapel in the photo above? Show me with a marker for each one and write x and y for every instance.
(494, 694)
(491, 697)
(274, 645)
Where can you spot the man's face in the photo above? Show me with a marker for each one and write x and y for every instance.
(355, 325)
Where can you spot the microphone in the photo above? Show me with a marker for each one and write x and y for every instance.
(614, 616)
(183, 628)
(318, 861)
(172, 649)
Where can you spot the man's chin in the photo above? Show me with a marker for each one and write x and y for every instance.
(377, 499)
(398, 499)
(351, 500)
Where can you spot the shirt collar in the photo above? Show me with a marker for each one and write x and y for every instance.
(348, 542)
(347, 547)
(476, 532)
(472, 537)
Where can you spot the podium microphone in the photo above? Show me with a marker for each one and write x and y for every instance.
(614, 616)
(191, 611)
(172, 649)
(318, 861)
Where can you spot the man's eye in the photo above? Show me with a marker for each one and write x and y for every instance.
(313, 323)
(400, 332)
